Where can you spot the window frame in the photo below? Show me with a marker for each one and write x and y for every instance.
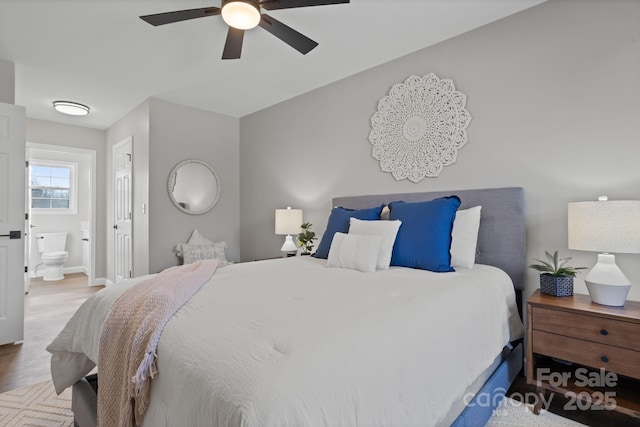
(73, 187)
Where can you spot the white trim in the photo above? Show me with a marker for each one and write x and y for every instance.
(93, 204)
(65, 270)
(73, 187)
(102, 281)
(127, 140)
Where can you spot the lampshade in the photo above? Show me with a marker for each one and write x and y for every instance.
(241, 14)
(288, 221)
(605, 226)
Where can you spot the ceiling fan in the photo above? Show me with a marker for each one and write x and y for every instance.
(241, 15)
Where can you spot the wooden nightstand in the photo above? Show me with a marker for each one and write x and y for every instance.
(602, 342)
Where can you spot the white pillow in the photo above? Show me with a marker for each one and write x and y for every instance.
(193, 252)
(196, 238)
(354, 251)
(464, 237)
(385, 229)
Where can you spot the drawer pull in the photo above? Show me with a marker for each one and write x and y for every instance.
(605, 359)
(604, 332)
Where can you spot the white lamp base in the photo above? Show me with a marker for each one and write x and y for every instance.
(606, 283)
(608, 294)
(288, 245)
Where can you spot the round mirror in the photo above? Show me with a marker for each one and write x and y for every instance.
(193, 187)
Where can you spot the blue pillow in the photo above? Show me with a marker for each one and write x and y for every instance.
(424, 238)
(339, 223)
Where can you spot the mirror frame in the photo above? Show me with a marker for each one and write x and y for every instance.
(171, 182)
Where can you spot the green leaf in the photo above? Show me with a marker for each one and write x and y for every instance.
(556, 266)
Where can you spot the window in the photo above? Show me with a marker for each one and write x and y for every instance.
(53, 187)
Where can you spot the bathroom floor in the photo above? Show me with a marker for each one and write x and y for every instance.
(47, 308)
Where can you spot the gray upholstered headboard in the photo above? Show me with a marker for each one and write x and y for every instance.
(501, 239)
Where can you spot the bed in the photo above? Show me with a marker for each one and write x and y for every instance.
(340, 347)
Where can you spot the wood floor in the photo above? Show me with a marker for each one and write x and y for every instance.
(47, 307)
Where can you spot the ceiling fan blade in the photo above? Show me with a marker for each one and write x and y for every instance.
(233, 45)
(296, 40)
(290, 4)
(180, 15)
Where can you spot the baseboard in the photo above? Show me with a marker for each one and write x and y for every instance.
(71, 270)
(99, 281)
(66, 270)
(102, 281)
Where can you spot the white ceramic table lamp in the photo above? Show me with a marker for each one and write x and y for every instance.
(605, 226)
(288, 222)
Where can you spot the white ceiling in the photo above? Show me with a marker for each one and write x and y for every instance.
(99, 53)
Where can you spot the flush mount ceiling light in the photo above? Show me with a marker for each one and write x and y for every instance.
(242, 15)
(71, 108)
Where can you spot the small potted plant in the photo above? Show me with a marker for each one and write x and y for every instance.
(556, 276)
(306, 238)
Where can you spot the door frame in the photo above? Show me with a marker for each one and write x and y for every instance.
(12, 193)
(114, 148)
(92, 204)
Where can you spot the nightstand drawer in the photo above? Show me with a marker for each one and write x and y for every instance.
(615, 359)
(592, 328)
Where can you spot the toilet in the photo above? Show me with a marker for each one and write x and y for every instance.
(51, 247)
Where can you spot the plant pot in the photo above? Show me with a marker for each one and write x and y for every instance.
(559, 286)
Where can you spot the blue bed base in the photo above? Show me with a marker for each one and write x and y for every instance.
(479, 410)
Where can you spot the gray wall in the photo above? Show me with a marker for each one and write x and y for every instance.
(163, 135)
(554, 94)
(178, 133)
(7, 82)
(136, 125)
(45, 132)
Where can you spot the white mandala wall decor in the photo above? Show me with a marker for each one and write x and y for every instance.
(419, 127)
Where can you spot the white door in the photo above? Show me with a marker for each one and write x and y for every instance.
(123, 212)
(12, 164)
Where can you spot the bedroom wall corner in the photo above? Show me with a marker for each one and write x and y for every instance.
(178, 133)
(136, 125)
(7, 82)
(553, 92)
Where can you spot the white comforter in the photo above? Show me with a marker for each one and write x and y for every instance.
(292, 343)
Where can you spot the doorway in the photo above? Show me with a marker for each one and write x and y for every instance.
(122, 158)
(61, 206)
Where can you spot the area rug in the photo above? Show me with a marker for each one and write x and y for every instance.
(36, 405)
(512, 413)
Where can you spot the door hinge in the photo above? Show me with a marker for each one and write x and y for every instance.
(27, 162)
(130, 275)
(26, 215)
(26, 269)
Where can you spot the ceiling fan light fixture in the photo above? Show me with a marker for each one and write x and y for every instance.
(241, 14)
(71, 108)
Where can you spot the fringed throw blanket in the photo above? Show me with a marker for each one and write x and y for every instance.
(127, 358)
